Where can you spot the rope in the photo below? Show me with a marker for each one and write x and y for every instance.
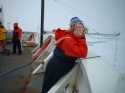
(15, 69)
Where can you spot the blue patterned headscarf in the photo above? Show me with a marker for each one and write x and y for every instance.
(75, 20)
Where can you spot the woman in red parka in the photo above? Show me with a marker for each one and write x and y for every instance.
(72, 47)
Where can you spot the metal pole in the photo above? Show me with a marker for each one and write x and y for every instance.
(42, 22)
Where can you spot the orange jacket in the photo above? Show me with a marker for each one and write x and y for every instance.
(17, 33)
(74, 46)
(2, 33)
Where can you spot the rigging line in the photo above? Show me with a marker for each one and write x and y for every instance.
(15, 69)
(104, 34)
(102, 38)
(95, 35)
(94, 32)
(95, 42)
(71, 8)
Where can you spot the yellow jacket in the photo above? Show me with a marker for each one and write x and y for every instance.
(2, 34)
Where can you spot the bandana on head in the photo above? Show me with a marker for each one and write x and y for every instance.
(75, 20)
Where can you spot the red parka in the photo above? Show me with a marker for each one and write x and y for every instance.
(17, 33)
(73, 46)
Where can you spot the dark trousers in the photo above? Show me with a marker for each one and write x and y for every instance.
(17, 45)
(55, 70)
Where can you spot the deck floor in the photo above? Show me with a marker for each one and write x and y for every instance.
(19, 80)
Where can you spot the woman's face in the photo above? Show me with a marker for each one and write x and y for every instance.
(78, 30)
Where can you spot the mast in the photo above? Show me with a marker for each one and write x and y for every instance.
(42, 22)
